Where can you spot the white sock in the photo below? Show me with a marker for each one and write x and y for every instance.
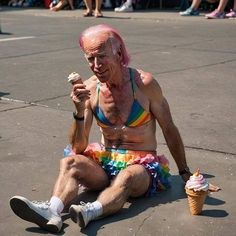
(56, 205)
(97, 209)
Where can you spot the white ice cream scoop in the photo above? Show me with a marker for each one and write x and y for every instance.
(74, 78)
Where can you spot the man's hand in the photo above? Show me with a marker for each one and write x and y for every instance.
(213, 188)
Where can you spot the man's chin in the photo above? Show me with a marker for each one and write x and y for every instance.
(102, 78)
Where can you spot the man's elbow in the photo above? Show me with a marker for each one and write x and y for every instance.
(170, 129)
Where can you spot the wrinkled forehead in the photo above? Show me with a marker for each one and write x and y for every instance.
(96, 41)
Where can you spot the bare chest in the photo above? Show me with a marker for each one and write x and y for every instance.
(116, 104)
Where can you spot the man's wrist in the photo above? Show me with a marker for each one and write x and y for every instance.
(77, 117)
(185, 171)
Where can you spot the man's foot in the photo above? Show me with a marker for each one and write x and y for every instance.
(215, 15)
(82, 214)
(190, 12)
(36, 212)
(124, 8)
(231, 14)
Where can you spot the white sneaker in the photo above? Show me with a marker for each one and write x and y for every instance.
(36, 212)
(82, 214)
(124, 8)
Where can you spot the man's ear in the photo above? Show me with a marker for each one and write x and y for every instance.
(119, 53)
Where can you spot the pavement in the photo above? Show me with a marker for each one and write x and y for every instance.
(194, 61)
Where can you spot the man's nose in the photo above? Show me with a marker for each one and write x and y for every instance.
(97, 62)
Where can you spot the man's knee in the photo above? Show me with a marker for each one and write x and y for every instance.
(71, 165)
(135, 179)
(66, 162)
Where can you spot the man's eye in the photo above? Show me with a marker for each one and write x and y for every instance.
(90, 58)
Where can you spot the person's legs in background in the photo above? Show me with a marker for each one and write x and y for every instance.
(89, 9)
(125, 7)
(97, 12)
(192, 10)
(232, 13)
(218, 13)
(61, 4)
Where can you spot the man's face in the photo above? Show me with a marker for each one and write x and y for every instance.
(102, 60)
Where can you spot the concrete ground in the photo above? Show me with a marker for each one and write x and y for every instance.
(194, 61)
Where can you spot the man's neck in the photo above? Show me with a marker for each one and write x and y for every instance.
(120, 79)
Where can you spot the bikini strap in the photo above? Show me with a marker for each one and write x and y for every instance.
(98, 91)
(131, 73)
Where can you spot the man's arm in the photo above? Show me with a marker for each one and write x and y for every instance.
(173, 138)
(160, 109)
(83, 118)
(79, 133)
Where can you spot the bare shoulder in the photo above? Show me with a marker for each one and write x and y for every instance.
(143, 78)
(148, 84)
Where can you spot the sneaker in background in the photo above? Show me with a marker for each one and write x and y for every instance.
(215, 15)
(124, 8)
(190, 12)
(36, 212)
(231, 14)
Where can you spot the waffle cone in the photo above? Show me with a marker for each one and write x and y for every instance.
(196, 200)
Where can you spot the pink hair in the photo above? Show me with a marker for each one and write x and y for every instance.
(103, 28)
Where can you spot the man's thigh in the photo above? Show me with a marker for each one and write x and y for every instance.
(90, 173)
(138, 179)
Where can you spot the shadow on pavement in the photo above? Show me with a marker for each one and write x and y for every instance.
(137, 206)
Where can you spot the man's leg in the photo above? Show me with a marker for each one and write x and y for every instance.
(134, 181)
(73, 170)
(77, 170)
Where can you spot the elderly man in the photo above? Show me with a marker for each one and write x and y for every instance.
(126, 104)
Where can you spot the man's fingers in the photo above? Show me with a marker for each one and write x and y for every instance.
(214, 188)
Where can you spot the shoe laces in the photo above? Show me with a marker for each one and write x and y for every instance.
(87, 205)
(88, 209)
(42, 204)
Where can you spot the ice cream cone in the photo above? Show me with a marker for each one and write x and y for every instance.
(196, 200)
(74, 78)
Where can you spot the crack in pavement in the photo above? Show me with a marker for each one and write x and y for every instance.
(143, 222)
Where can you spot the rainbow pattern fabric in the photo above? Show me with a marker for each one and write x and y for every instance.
(138, 116)
(115, 160)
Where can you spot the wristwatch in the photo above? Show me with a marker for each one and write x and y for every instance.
(76, 117)
(185, 171)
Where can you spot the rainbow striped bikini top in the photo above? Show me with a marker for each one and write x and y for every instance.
(137, 117)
